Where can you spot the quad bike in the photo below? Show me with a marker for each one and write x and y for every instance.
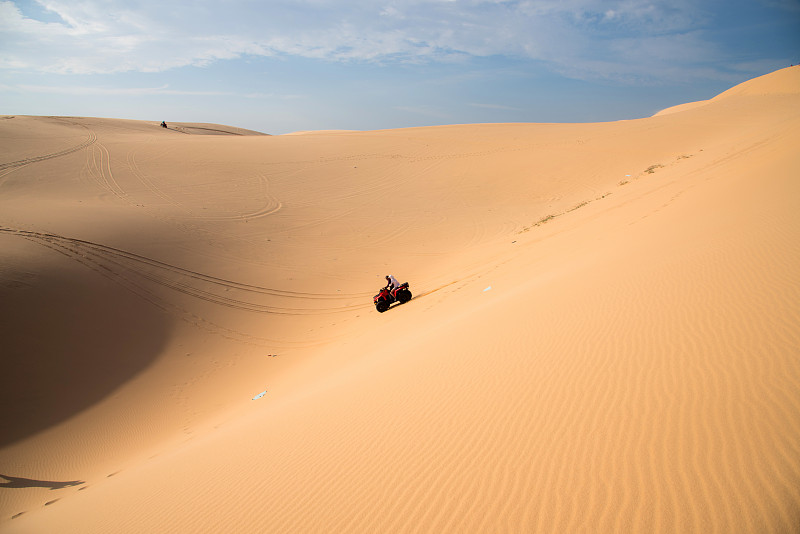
(385, 298)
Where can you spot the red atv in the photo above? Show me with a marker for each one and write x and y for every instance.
(385, 298)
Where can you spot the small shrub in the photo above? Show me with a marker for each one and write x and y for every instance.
(652, 168)
(543, 220)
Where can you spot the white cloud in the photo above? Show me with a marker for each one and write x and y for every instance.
(583, 38)
(104, 91)
(79, 90)
(499, 107)
(424, 111)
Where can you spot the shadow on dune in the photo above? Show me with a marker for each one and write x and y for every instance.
(69, 339)
(19, 482)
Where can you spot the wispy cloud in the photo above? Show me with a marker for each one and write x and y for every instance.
(424, 111)
(617, 39)
(787, 5)
(499, 107)
(132, 91)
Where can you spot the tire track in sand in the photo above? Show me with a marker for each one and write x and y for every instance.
(144, 276)
(99, 169)
(270, 203)
(91, 138)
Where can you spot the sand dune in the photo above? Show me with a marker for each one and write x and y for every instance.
(604, 335)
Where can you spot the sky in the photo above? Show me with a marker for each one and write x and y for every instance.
(279, 66)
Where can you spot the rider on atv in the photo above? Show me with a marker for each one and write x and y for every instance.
(392, 292)
(391, 282)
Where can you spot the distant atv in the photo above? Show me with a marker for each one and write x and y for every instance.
(385, 298)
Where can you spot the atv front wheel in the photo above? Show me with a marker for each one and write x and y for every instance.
(382, 306)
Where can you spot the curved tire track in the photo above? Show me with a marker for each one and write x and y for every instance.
(270, 206)
(121, 265)
(90, 140)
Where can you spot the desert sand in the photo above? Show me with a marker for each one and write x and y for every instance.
(604, 334)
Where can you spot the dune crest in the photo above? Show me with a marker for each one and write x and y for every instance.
(782, 82)
(603, 335)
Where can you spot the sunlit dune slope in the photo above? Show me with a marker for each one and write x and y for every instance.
(603, 336)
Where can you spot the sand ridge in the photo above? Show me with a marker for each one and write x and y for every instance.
(603, 336)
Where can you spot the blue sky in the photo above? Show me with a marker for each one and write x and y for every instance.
(280, 66)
